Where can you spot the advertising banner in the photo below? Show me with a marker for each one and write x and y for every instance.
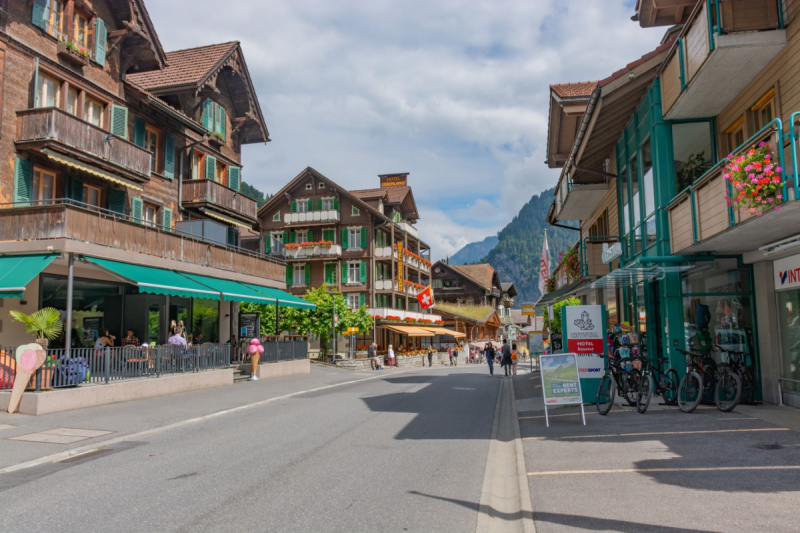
(560, 382)
(583, 327)
(400, 266)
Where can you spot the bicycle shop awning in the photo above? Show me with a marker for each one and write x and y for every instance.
(444, 331)
(283, 298)
(155, 280)
(232, 291)
(629, 276)
(411, 331)
(16, 271)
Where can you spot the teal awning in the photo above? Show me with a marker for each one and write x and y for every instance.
(284, 298)
(231, 290)
(156, 280)
(16, 271)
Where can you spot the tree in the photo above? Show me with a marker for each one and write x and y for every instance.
(555, 325)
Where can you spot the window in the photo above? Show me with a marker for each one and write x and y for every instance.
(764, 110)
(321, 186)
(276, 217)
(54, 18)
(692, 151)
(277, 236)
(93, 112)
(327, 204)
(397, 217)
(355, 211)
(221, 174)
(80, 28)
(354, 238)
(600, 226)
(302, 206)
(48, 91)
(150, 212)
(380, 206)
(299, 278)
(214, 119)
(353, 301)
(309, 186)
(91, 195)
(437, 283)
(354, 272)
(197, 166)
(302, 236)
(735, 133)
(44, 186)
(151, 143)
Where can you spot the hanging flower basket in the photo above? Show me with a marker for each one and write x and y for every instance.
(756, 181)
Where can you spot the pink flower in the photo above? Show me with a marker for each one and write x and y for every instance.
(771, 200)
(777, 208)
(767, 157)
(778, 169)
(752, 210)
(779, 197)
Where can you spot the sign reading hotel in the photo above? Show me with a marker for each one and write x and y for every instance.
(787, 273)
(394, 181)
(400, 266)
(583, 327)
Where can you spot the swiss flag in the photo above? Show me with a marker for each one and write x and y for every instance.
(425, 298)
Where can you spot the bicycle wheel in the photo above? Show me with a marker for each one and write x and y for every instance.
(605, 395)
(690, 392)
(645, 393)
(631, 390)
(728, 391)
(748, 387)
(669, 387)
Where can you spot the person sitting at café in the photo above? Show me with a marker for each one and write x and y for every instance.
(198, 339)
(104, 340)
(177, 338)
(130, 339)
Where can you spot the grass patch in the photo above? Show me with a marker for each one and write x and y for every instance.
(475, 312)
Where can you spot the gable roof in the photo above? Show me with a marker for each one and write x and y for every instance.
(371, 194)
(509, 288)
(482, 273)
(573, 90)
(391, 195)
(141, 32)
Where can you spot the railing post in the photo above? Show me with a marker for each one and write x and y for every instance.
(107, 358)
(158, 362)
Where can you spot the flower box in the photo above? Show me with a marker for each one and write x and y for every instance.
(73, 53)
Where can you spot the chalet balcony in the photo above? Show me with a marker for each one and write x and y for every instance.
(311, 217)
(205, 193)
(383, 312)
(408, 228)
(83, 225)
(700, 219)
(386, 285)
(308, 250)
(717, 56)
(577, 201)
(51, 129)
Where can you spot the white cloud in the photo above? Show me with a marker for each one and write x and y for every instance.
(453, 92)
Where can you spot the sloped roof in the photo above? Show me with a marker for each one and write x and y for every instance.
(518, 317)
(572, 90)
(481, 273)
(370, 193)
(509, 288)
(185, 67)
(393, 195)
(633, 64)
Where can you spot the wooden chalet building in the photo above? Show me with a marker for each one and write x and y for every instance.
(120, 175)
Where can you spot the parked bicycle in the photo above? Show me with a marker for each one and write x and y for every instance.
(655, 382)
(620, 374)
(728, 389)
(698, 381)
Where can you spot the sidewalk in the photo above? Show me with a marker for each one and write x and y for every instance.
(664, 471)
(140, 415)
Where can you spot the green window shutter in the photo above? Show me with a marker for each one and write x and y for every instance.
(217, 118)
(235, 178)
(310, 235)
(23, 181)
(294, 206)
(308, 273)
(364, 237)
(286, 237)
(328, 274)
(117, 199)
(137, 206)
(139, 132)
(335, 204)
(319, 204)
(169, 156)
(166, 218)
(119, 121)
(211, 167)
(344, 239)
(74, 189)
(36, 102)
(363, 272)
(40, 12)
(362, 300)
(310, 204)
(267, 243)
(292, 237)
(288, 274)
(208, 114)
(221, 119)
(231, 236)
(100, 36)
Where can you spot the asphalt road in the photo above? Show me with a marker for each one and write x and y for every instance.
(406, 452)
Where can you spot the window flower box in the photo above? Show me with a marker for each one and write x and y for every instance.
(75, 54)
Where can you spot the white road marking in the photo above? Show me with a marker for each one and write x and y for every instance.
(462, 388)
(638, 470)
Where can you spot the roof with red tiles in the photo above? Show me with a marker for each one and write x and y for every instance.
(574, 90)
(185, 67)
(393, 195)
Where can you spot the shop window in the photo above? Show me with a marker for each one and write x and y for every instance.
(150, 214)
(205, 319)
(735, 134)
(44, 186)
(764, 110)
(151, 143)
(635, 206)
(718, 320)
(789, 328)
(72, 101)
(91, 195)
(623, 185)
(93, 112)
(720, 276)
(647, 180)
(650, 231)
(48, 91)
(691, 151)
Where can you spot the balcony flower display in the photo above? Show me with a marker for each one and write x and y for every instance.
(314, 244)
(550, 284)
(419, 258)
(571, 264)
(413, 284)
(756, 181)
(291, 246)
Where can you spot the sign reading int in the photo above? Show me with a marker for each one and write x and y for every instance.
(787, 273)
(400, 180)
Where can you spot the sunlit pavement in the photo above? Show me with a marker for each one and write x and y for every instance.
(664, 471)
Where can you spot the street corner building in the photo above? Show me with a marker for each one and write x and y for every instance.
(120, 177)
(681, 168)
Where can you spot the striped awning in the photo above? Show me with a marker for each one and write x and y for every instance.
(411, 331)
(227, 220)
(89, 169)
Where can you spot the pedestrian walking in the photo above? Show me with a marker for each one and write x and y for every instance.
(450, 354)
(372, 353)
(505, 357)
(430, 356)
(514, 359)
(390, 354)
(489, 353)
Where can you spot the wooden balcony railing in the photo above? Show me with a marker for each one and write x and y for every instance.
(52, 125)
(60, 220)
(203, 191)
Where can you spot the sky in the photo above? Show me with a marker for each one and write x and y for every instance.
(454, 92)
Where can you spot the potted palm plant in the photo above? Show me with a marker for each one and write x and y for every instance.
(45, 324)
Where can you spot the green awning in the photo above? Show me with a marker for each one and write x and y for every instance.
(284, 298)
(16, 271)
(156, 280)
(231, 290)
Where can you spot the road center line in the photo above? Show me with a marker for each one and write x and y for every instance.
(652, 433)
(646, 470)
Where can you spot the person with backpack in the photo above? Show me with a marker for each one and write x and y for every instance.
(505, 357)
(489, 353)
(514, 359)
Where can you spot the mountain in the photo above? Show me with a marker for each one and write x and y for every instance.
(474, 251)
(517, 254)
(255, 194)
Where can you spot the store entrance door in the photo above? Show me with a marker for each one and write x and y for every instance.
(656, 325)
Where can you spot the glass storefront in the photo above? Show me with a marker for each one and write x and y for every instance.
(789, 329)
